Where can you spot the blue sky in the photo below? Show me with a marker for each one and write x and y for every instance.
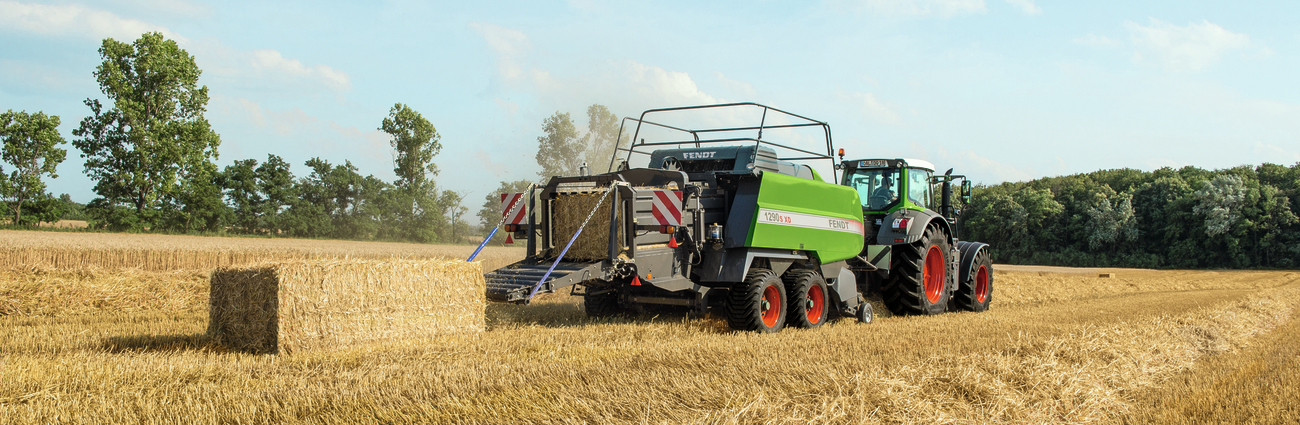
(1002, 90)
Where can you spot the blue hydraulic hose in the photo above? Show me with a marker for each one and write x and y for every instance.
(485, 241)
(556, 263)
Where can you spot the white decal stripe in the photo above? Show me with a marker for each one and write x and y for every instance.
(809, 221)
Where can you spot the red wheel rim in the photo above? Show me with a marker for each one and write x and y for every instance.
(934, 274)
(771, 306)
(982, 284)
(817, 304)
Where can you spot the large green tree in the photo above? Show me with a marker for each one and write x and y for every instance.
(602, 138)
(560, 151)
(30, 142)
(418, 209)
(154, 136)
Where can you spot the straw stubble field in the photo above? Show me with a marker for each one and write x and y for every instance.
(112, 344)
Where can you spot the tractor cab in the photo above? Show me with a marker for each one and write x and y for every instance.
(888, 185)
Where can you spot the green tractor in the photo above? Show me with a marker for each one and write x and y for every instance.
(913, 256)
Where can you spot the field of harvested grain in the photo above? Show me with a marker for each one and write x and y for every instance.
(116, 341)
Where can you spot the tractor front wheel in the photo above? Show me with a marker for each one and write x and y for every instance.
(918, 283)
(758, 303)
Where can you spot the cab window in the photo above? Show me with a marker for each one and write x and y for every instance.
(878, 188)
(918, 187)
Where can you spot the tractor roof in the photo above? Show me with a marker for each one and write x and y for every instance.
(890, 163)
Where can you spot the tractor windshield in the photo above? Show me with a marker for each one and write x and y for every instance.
(878, 187)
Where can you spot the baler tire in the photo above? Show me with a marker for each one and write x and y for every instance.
(976, 292)
(746, 299)
(602, 305)
(806, 286)
(865, 313)
(909, 289)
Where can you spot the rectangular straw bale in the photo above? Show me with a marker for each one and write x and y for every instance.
(313, 305)
(568, 212)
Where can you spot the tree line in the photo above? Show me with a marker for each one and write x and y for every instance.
(150, 152)
(1239, 217)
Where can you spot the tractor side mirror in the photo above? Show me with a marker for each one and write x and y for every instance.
(965, 190)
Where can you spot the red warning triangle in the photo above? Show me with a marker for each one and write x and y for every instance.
(509, 239)
(672, 242)
(636, 281)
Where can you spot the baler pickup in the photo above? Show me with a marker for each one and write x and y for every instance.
(515, 282)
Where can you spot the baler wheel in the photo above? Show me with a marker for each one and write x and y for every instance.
(808, 297)
(976, 292)
(758, 303)
(602, 305)
(918, 282)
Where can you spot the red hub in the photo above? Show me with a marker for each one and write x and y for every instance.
(934, 274)
(816, 304)
(982, 284)
(771, 306)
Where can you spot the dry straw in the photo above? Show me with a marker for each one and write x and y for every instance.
(569, 211)
(302, 306)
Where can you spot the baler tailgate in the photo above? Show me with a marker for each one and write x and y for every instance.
(515, 282)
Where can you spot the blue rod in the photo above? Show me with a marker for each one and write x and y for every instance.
(485, 241)
(556, 263)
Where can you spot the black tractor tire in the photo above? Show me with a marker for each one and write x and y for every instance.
(809, 299)
(603, 305)
(976, 291)
(758, 303)
(918, 283)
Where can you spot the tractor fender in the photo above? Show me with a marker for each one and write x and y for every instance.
(918, 221)
(967, 252)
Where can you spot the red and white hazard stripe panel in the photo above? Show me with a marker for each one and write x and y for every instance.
(666, 206)
(516, 206)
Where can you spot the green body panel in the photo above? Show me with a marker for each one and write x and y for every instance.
(800, 214)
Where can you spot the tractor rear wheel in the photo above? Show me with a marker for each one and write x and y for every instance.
(918, 283)
(976, 291)
(758, 303)
(601, 305)
(808, 299)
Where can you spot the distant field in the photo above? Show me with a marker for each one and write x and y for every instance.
(128, 345)
(145, 252)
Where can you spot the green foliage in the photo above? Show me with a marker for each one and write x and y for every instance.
(1185, 218)
(417, 210)
(153, 145)
(30, 142)
(602, 139)
(560, 152)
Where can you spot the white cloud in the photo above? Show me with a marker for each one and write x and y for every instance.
(1276, 154)
(497, 169)
(659, 86)
(264, 60)
(74, 20)
(265, 66)
(1183, 48)
(1027, 6)
(941, 8)
(741, 88)
(1096, 40)
(980, 168)
(873, 109)
(182, 8)
(508, 44)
